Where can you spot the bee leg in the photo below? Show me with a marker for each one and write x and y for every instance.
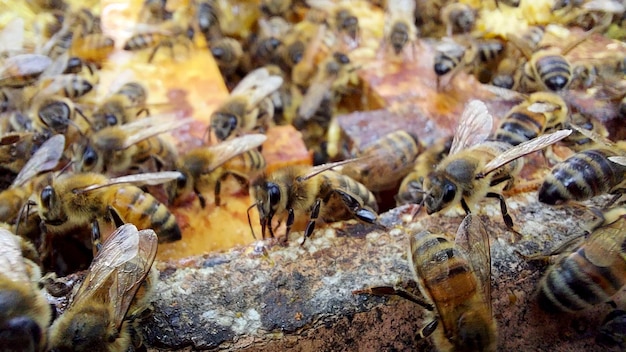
(95, 236)
(465, 206)
(218, 184)
(356, 209)
(310, 226)
(392, 291)
(115, 217)
(288, 224)
(505, 213)
(428, 329)
(201, 197)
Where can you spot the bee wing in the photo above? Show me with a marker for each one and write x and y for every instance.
(525, 148)
(593, 136)
(605, 6)
(472, 239)
(313, 98)
(618, 160)
(504, 93)
(44, 159)
(120, 267)
(11, 260)
(24, 64)
(542, 107)
(521, 45)
(324, 5)
(12, 36)
(145, 128)
(145, 179)
(229, 149)
(324, 167)
(603, 244)
(474, 126)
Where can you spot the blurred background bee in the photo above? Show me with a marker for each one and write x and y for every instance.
(129, 148)
(410, 191)
(341, 19)
(457, 287)
(458, 18)
(242, 111)
(25, 313)
(104, 312)
(476, 168)
(611, 334)
(400, 28)
(122, 106)
(383, 163)
(293, 191)
(592, 272)
(208, 166)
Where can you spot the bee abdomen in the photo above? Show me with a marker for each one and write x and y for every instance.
(574, 284)
(145, 212)
(518, 128)
(582, 176)
(554, 71)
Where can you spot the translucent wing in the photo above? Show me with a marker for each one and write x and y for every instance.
(257, 85)
(313, 98)
(12, 36)
(521, 45)
(324, 167)
(145, 128)
(604, 245)
(473, 240)
(618, 160)
(525, 148)
(11, 261)
(145, 179)
(474, 127)
(23, 65)
(598, 138)
(120, 267)
(229, 149)
(542, 107)
(45, 158)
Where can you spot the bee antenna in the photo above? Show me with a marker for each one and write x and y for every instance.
(250, 221)
(67, 166)
(80, 112)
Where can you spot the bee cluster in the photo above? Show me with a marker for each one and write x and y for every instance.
(91, 183)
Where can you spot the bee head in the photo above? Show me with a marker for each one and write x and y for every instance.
(223, 124)
(49, 208)
(178, 187)
(268, 195)
(89, 159)
(440, 192)
(83, 330)
(20, 333)
(476, 332)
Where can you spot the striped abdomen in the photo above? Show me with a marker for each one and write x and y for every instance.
(142, 41)
(575, 283)
(582, 176)
(335, 181)
(519, 126)
(554, 71)
(144, 211)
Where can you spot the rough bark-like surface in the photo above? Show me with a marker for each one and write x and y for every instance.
(300, 297)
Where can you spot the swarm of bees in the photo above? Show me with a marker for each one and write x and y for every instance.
(92, 184)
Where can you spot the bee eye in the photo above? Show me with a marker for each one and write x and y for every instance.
(449, 191)
(181, 181)
(111, 119)
(89, 157)
(46, 196)
(273, 193)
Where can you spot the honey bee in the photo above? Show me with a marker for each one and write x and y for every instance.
(25, 313)
(95, 47)
(385, 161)
(546, 68)
(334, 75)
(54, 114)
(458, 18)
(475, 167)
(207, 17)
(154, 11)
(605, 168)
(44, 159)
(122, 107)
(578, 141)
(452, 57)
(400, 26)
(340, 15)
(21, 70)
(591, 273)
(228, 54)
(159, 38)
(297, 190)
(276, 7)
(205, 167)
(410, 191)
(115, 150)
(264, 49)
(115, 293)
(242, 111)
(540, 112)
(611, 332)
(458, 284)
(83, 199)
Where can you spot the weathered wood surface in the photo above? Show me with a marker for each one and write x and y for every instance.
(300, 297)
